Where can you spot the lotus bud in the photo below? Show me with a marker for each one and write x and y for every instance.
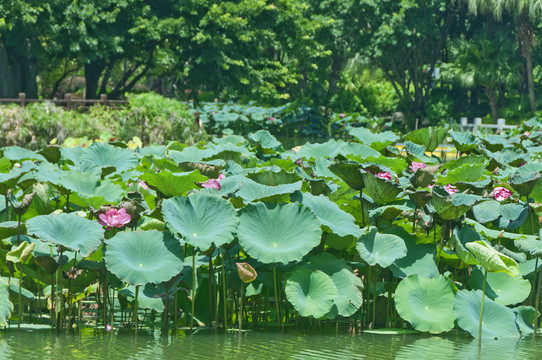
(246, 272)
(20, 207)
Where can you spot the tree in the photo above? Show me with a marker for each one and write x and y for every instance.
(405, 40)
(524, 12)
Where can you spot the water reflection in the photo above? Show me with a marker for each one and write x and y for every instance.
(91, 344)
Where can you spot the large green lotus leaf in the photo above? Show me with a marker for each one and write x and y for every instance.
(382, 249)
(492, 260)
(252, 191)
(512, 216)
(464, 141)
(525, 318)
(461, 237)
(424, 176)
(149, 296)
(9, 180)
(388, 212)
(498, 321)
(464, 173)
(420, 197)
(273, 178)
(495, 142)
(524, 183)
(329, 214)
(6, 307)
(486, 211)
(8, 229)
(102, 155)
(429, 137)
(531, 246)
(396, 164)
(266, 142)
(142, 257)
(202, 219)
(68, 230)
(87, 186)
(337, 242)
(416, 152)
(321, 170)
(427, 304)
(504, 289)
(496, 234)
(191, 154)
(450, 207)
(380, 190)
(358, 150)
(280, 233)
(311, 292)
(349, 172)
(328, 149)
(510, 156)
(15, 153)
(172, 184)
(5, 165)
(349, 298)
(419, 259)
(376, 141)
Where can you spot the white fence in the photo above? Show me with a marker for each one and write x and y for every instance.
(499, 126)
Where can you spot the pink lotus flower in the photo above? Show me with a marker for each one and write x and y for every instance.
(430, 186)
(450, 189)
(143, 184)
(501, 193)
(213, 183)
(526, 133)
(114, 218)
(384, 175)
(417, 165)
(342, 115)
(108, 327)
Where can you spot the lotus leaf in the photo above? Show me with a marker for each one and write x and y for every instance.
(142, 257)
(329, 214)
(266, 142)
(380, 190)
(463, 173)
(68, 230)
(349, 172)
(531, 246)
(388, 212)
(328, 149)
(376, 141)
(525, 318)
(20, 253)
(512, 216)
(252, 191)
(498, 320)
(486, 211)
(202, 219)
(429, 137)
(427, 304)
(524, 183)
(15, 153)
(149, 296)
(492, 260)
(419, 259)
(452, 207)
(6, 307)
(172, 184)
(462, 236)
(382, 249)
(424, 176)
(311, 292)
(279, 233)
(464, 141)
(504, 289)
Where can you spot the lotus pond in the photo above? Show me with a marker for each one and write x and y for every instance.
(241, 234)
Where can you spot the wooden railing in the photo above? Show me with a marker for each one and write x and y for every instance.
(69, 102)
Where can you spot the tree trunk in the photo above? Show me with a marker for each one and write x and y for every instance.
(93, 71)
(18, 71)
(526, 41)
(491, 94)
(337, 64)
(530, 81)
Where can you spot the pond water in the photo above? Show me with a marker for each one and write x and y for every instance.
(91, 344)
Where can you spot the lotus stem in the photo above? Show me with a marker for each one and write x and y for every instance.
(165, 324)
(68, 203)
(105, 289)
(52, 301)
(210, 290)
(61, 289)
(374, 296)
(276, 294)
(193, 288)
(441, 244)
(20, 317)
(362, 207)
(482, 311)
(534, 280)
(135, 308)
(414, 219)
(175, 320)
(112, 306)
(7, 208)
(241, 306)
(19, 231)
(537, 299)
(224, 289)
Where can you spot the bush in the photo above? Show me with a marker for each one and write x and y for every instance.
(153, 118)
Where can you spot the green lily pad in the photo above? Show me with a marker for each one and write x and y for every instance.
(202, 219)
(148, 298)
(68, 230)
(486, 211)
(102, 155)
(464, 141)
(463, 236)
(279, 233)
(531, 246)
(172, 184)
(328, 149)
(450, 207)
(429, 137)
(349, 172)
(427, 304)
(504, 289)
(498, 321)
(382, 249)
(143, 257)
(266, 142)
(512, 216)
(6, 307)
(329, 214)
(524, 183)
(15, 153)
(419, 259)
(525, 318)
(20, 253)
(310, 292)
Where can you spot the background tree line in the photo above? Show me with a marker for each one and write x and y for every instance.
(430, 59)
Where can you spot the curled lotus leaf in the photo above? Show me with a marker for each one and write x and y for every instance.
(524, 183)
(246, 272)
(349, 172)
(420, 197)
(377, 141)
(492, 260)
(450, 207)
(424, 176)
(380, 190)
(430, 137)
(20, 253)
(464, 141)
